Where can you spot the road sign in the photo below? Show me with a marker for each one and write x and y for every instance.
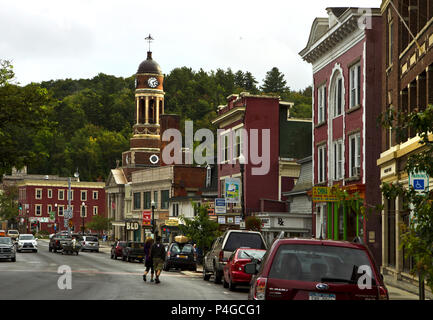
(323, 194)
(220, 206)
(65, 223)
(68, 213)
(419, 181)
(147, 218)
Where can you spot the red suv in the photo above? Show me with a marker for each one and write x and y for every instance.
(117, 249)
(301, 269)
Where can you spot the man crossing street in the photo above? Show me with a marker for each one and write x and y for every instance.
(158, 257)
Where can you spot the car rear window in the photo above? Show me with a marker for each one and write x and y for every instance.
(12, 232)
(317, 263)
(250, 240)
(250, 254)
(137, 245)
(181, 248)
(92, 239)
(4, 240)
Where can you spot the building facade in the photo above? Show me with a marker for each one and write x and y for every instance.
(407, 77)
(40, 195)
(344, 54)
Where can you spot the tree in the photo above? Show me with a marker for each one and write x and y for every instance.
(9, 204)
(274, 82)
(201, 230)
(253, 223)
(99, 224)
(417, 237)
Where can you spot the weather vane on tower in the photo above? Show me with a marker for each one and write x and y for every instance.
(149, 39)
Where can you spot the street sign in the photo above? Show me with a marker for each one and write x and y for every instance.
(222, 220)
(323, 194)
(232, 190)
(65, 223)
(52, 216)
(220, 206)
(172, 223)
(419, 181)
(68, 213)
(147, 218)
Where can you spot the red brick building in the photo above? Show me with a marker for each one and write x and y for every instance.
(39, 195)
(345, 55)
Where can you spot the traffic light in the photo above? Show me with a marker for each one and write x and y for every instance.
(70, 223)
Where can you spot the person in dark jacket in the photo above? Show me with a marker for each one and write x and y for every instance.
(158, 257)
(148, 259)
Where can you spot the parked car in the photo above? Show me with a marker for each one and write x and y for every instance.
(27, 242)
(14, 234)
(181, 256)
(133, 251)
(56, 242)
(117, 249)
(234, 272)
(2, 233)
(7, 249)
(223, 247)
(89, 243)
(300, 269)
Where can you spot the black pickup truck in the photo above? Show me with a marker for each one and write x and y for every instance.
(133, 251)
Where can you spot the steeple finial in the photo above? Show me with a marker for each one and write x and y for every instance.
(149, 39)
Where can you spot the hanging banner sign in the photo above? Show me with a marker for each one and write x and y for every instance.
(232, 187)
(147, 218)
(323, 194)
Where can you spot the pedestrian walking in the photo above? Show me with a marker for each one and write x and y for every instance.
(158, 257)
(148, 263)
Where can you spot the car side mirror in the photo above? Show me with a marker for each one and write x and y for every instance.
(251, 268)
(36, 239)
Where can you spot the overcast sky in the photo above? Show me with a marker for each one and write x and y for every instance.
(56, 39)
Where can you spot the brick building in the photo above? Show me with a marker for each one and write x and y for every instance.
(244, 117)
(407, 77)
(346, 139)
(41, 194)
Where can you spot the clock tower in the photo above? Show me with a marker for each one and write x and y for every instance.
(149, 106)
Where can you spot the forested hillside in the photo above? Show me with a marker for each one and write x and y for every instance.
(55, 127)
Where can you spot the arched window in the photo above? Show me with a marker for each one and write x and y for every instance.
(337, 95)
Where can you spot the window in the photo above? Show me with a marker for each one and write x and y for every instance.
(164, 199)
(49, 208)
(95, 210)
(321, 163)
(175, 210)
(321, 93)
(61, 211)
(338, 160)
(38, 194)
(225, 148)
(137, 200)
(83, 211)
(38, 209)
(337, 96)
(355, 85)
(390, 42)
(238, 143)
(61, 194)
(208, 176)
(147, 200)
(155, 198)
(355, 154)
(95, 195)
(83, 195)
(50, 193)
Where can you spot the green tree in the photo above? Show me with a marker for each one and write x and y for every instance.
(417, 237)
(200, 229)
(99, 224)
(9, 204)
(253, 223)
(274, 82)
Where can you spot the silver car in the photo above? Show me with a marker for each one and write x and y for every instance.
(90, 243)
(7, 249)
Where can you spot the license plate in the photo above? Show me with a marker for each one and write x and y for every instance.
(139, 257)
(183, 257)
(321, 296)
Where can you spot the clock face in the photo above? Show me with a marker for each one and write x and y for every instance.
(153, 82)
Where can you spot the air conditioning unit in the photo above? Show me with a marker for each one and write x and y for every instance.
(357, 171)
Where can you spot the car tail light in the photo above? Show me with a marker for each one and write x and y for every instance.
(168, 254)
(260, 289)
(221, 256)
(383, 293)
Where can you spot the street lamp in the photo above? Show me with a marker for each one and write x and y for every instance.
(153, 204)
(82, 213)
(55, 219)
(242, 168)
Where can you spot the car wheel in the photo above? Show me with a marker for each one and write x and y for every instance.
(166, 267)
(232, 286)
(50, 249)
(129, 259)
(225, 283)
(13, 259)
(218, 277)
(206, 276)
(36, 251)
(19, 251)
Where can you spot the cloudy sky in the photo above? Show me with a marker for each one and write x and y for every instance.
(58, 39)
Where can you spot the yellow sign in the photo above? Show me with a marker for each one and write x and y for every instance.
(172, 223)
(324, 194)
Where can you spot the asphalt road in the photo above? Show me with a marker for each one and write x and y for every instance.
(94, 276)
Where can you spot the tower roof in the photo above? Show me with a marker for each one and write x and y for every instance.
(149, 65)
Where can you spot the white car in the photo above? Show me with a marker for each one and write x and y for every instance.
(27, 242)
